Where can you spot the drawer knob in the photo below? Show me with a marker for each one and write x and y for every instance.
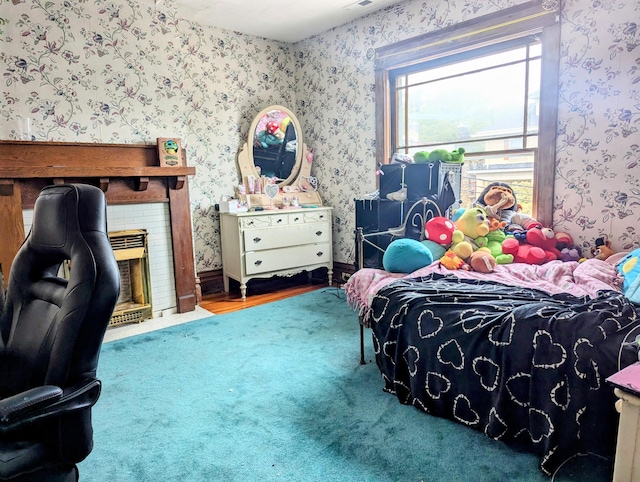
(258, 263)
(318, 233)
(319, 254)
(295, 219)
(279, 221)
(256, 240)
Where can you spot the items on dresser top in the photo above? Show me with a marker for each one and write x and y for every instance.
(232, 206)
(262, 244)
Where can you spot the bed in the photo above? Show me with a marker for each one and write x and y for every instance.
(521, 354)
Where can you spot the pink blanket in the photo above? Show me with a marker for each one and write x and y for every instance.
(578, 279)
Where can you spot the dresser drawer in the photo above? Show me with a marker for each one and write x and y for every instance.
(264, 221)
(278, 259)
(316, 216)
(288, 235)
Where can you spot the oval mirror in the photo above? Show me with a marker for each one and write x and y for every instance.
(276, 148)
(275, 144)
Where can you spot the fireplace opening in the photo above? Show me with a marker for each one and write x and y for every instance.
(132, 254)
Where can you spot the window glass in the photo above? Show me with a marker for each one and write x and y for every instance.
(487, 103)
(533, 99)
(401, 116)
(515, 169)
(484, 104)
(464, 67)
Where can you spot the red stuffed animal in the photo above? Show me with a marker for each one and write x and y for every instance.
(539, 248)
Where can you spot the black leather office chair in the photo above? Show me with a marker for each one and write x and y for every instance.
(51, 330)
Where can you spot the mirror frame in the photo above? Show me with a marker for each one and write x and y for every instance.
(289, 187)
(299, 152)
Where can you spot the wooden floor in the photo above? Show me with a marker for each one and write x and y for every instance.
(260, 292)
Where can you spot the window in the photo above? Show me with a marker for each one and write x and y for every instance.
(492, 91)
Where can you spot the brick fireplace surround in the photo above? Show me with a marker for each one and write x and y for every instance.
(127, 173)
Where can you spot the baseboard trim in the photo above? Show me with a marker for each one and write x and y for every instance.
(211, 281)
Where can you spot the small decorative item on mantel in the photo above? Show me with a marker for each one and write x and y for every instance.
(170, 152)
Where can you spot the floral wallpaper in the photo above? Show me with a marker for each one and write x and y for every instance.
(128, 72)
(131, 71)
(597, 188)
(336, 97)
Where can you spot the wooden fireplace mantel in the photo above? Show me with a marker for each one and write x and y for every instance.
(127, 173)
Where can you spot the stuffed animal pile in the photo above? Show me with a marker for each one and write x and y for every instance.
(493, 231)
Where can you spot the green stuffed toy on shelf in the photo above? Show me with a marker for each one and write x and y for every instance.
(456, 156)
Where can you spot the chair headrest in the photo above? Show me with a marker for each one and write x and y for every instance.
(57, 219)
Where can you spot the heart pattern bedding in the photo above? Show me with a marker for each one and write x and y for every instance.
(517, 363)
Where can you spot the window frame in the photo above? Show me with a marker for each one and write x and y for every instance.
(526, 19)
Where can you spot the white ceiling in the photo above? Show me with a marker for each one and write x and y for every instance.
(284, 20)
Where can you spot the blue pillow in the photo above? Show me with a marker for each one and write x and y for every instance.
(406, 255)
(437, 250)
(629, 268)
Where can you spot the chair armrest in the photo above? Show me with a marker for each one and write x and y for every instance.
(46, 401)
(16, 406)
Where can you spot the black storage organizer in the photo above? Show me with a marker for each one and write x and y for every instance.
(421, 180)
(379, 215)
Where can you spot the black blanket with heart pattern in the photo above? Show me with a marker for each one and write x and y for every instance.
(518, 364)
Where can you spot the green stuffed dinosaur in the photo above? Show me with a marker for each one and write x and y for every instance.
(455, 156)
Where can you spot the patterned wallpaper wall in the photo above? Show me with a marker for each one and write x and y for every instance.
(129, 72)
(597, 188)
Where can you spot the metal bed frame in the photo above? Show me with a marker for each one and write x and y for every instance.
(415, 218)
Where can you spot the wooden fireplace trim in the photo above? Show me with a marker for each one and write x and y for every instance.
(127, 173)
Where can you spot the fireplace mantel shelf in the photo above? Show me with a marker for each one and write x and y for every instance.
(126, 173)
(58, 174)
(92, 171)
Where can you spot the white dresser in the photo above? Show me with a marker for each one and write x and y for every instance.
(281, 242)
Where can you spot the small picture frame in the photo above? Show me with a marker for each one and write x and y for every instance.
(170, 152)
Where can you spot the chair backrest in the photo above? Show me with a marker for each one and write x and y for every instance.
(51, 328)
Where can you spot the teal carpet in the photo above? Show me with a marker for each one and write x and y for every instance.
(276, 392)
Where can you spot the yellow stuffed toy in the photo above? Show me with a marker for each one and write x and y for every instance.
(452, 261)
(472, 226)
